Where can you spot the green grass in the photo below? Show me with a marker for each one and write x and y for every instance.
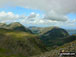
(19, 43)
(22, 44)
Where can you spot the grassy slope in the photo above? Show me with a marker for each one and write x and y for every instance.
(22, 44)
(19, 44)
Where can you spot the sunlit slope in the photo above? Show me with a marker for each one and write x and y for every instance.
(16, 43)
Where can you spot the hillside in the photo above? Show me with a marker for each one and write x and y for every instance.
(54, 32)
(53, 36)
(15, 26)
(68, 47)
(16, 42)
(22, 44)
(19, 44)
(43, 30)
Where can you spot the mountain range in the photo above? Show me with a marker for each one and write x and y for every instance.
(18, 41)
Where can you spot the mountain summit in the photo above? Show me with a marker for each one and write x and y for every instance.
(15, 26)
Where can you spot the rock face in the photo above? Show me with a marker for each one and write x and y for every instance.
(15, 26)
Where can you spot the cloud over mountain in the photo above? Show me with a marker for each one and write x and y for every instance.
(34, 19)
(7, 16)
(54, 9)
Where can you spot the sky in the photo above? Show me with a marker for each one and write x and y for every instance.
(41, 13)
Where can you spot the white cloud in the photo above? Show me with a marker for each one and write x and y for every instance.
(33, 15)
(8, 15)
(35, 20)
(59, 7)
(4, 17)
(52, 15)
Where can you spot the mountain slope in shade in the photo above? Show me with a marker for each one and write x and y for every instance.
(15, 26)
(55, 32)
(43, 30)
(52, 36)
(68, 47)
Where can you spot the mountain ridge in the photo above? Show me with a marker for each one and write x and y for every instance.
(15, 26)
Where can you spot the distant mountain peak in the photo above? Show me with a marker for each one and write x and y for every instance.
(15, 26)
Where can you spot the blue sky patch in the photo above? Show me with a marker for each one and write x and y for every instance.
(21, 11)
